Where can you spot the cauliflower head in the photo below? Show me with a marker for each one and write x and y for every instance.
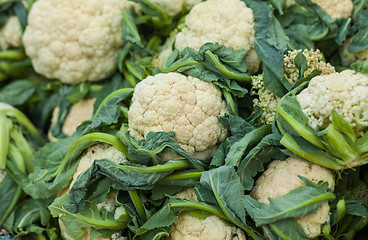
(74, 41)
(188, 227)
(79, 112)
(281, 177)
(267, 100)
(345, 92)
(227, 22)
(174, 7)
(334, 8)
(97, 151)
(11, 34)
(348, 58)
(173, 102)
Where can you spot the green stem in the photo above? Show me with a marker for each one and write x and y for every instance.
(169, 166)
(23, 145)
(86, 141)
(5, 126)
(17, 196)
(129, 77)
(182, 176)
(246, 78)
(177, 66)
(230, 102)
(16, 156)
(12, 54)
(132, 70)
(138, 204)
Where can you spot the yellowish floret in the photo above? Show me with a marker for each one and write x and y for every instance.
(11, 34)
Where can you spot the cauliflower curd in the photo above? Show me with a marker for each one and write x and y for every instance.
(188, 227)
(174, 7)
(11, 34)
(345, 92)
(282, 176)
(73, 40)
(185, 105)
(227, 22)
(334, 8)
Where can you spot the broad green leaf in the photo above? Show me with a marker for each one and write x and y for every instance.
(287, 229)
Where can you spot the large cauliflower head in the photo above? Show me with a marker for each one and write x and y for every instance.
(281, 177)
(345, 92)
(267, 100)
(182, 104)
(227, 22)
(188, 227)
(97, 151)
(11, 34)
(73, 40)
(334, 8)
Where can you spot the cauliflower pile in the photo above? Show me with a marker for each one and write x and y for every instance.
(346, 92)
(273, 183)
(188, 227)
(227, 22)
(334, 8)
(85, 44)
(79, 112)
(183, 104)
(11, 34)
(267, 100)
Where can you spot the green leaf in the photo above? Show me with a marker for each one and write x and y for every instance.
(299, 202)
(360, 41)
(125, 177)
(228, 191)
(10, 194)
(253, 163)
(287, 229)
(17, 92)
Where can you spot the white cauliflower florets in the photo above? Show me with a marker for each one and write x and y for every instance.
(227, 22)
(95, 152)
(173, 7)
(348, 58)
(188, 106)
(74, 41)
(282, 176)
(346, 92)
(267, 100)
(79, 112)
(334, 8)
(188, 227)
(11, 34)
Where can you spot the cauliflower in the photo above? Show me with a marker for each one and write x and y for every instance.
(282, 176)
(174, 7)
(348, 58)
(346, 92)
(97, 151)
(227, 22)
(334, 8)
(74, 41)
(188, 227)
(268, 100)
(186, 105)
(79, 112)
(11, 34)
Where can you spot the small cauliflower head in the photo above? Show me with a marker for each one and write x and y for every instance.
(74, 41)
(281, 177)
(174, 7)
(173, 102)
(97, 151)
(345, 92)
(188, 227)
(348, 58)
(267, 100)
(227, 22)
(79, 112)
(11, 34)
(334, 8)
